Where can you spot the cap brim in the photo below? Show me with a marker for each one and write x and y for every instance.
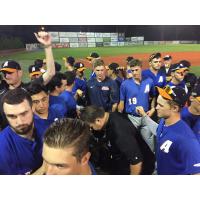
(163, 93)
(181, 69)
(198, 98)
(35, 73)
(81, 69)
(89, 58)
(8, 70)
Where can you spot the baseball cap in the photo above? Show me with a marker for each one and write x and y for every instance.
(167, 57)
(186, 63)
(70, 60)
(34, 70)
(93, 55)
(38, 62)
(178, 67)
(129, 58)
(154, 55)
(113, 66)
(196, 92)
(175, 93)
(79, 66)
(10, 66)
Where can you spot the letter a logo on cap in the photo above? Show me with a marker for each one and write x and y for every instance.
(5, 64)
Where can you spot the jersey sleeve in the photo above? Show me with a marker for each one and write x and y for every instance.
(122, 92)
(190, 154)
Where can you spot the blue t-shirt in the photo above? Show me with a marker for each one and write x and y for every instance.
(136, 95)
(57, 103)
(104, 94)
(70, 102)
(19, 155)
(79, 84)
(178, 150)
(158, 80)
(193, 121)
(181, 84)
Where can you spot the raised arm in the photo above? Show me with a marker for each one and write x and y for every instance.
(45, 39)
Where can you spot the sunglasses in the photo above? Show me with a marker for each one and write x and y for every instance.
(156, 61)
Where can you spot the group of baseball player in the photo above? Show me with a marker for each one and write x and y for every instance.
(121, 120)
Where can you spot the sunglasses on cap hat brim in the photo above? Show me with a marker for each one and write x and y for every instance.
(9, 70)
(81, 69)
(89, 58)
(181, 69)
(165, 92)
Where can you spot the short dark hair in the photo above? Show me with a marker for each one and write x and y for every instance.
(16, 96)
(38, 62)
(98, 62)
(35, 88)
(70, 77)
(56, 81)
(135, 62)
(154, 55)
(69, 132)
(71, 60)
(90, 113)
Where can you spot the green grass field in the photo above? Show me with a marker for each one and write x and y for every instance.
(27, 58)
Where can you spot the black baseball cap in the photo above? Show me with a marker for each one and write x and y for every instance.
(178, 67)
(113, 66)
(167, 57)
(10, 66)
(129, 58)
(154, 55)
(93, 55)
(186, 63)
(79, 66)
(38, 62)
(174, 93)
(34, 70)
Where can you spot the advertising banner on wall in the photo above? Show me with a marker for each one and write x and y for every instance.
(114, 44)
(107, 44)
(73, 45)
(63, 34)
(71, 34)
(98, 35)
(91, 40)
(114, 39)
(121, 39)
(99, 44)
(82, 34)
(106, 35)
(73, 40)
(106, 39)
(83, 44)
(90, 34)
(120, 43)
(113, 34)
(99, 39)
(64, 40)
(91, 44)
(82, 39)
(60, 45)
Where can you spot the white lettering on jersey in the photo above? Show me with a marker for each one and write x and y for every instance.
(197, 165)
(147, 89)
(132, 101)
(165, 146)
(160, 79)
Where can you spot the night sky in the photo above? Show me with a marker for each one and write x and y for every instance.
(150, 33)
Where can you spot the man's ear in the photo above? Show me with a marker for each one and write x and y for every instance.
(85, 159)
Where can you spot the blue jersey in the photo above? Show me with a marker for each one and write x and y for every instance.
(70, 102)
(104, 93)
(181, 84)
(57, 103)
(158, 80)
(134, 95)
(79, 84)
(193, 121)
(178, 150)
(19, 155)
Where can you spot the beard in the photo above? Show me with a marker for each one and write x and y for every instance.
(23, 129)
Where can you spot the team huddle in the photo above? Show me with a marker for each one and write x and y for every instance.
(119, 121)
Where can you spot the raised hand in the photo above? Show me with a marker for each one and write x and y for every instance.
(44, 38)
